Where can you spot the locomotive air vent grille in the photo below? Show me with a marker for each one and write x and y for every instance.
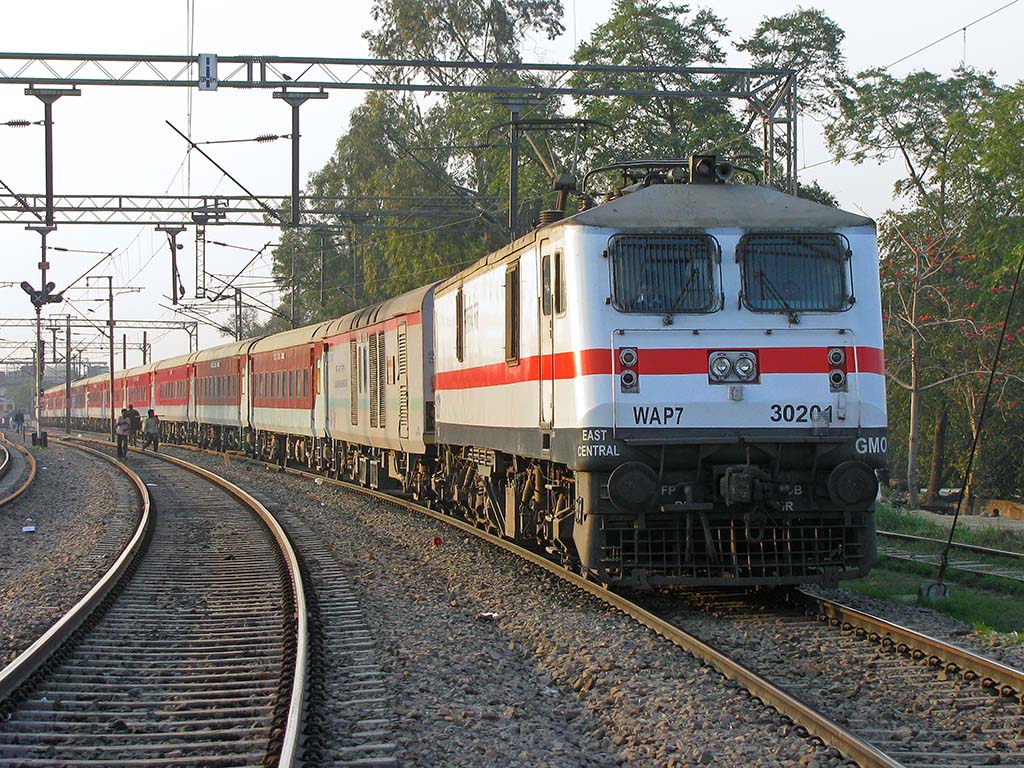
(353, 379)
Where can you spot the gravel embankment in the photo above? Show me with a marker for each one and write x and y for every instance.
(489, 663)
(83, 511)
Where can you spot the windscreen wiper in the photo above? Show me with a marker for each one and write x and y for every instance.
(694, 271)
(766, 283)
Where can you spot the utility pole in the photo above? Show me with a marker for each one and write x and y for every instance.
(323, 264)
(110, 336)
(45, 293)
(172, 239)
(296, 99)
(238, 314)
(144, 350)
(67, 375)
(515, 106)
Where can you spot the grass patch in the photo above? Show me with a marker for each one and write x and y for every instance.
(986, 610)
(902, 520)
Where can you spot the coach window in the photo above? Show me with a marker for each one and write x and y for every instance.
(291, 383)
(460, 327)
(559, 283)
(512, 314)
(305, 382)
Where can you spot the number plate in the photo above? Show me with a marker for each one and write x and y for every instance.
(799, 413)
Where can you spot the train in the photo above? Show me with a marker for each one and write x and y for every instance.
(682, 383)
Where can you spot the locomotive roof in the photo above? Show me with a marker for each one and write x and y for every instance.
(715, 206)
(662, 207)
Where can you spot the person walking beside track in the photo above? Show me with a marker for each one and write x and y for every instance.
(19, 423)
(136, 423)
(151, 431)
(122, 429)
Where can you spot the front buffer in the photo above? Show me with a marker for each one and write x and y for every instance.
(767, 513)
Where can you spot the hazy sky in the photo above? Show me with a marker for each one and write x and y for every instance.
(114, 140)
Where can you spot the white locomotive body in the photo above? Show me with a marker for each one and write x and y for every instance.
(575, 369)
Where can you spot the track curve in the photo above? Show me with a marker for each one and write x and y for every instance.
(191, 659)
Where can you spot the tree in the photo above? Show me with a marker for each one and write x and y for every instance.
(809, 42)
(931, 271)
(646, 33)
(460, 30)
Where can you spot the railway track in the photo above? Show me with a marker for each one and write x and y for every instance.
(900, 667)
(17, 470)
(190, 651)
(1000, 563)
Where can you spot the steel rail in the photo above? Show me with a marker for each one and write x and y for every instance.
(7, 465)
(293, 727)
(1010, 681)
(955, 545)
(26, 663)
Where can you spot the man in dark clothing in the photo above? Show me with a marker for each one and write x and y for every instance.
(19, 422)
(136, 423)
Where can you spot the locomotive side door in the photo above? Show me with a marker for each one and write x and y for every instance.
(546, 328)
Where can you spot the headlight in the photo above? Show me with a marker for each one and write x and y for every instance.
(745, 367)
(628, 357)
(836, 356)
(720, 366)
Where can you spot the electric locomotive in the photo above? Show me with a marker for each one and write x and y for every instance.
(683, 384)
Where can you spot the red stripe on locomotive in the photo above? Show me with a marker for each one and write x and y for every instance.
(664, 362)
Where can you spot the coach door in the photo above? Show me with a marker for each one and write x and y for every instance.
(547, 339)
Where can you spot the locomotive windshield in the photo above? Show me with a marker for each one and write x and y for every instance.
(795, 272)
(663, 273)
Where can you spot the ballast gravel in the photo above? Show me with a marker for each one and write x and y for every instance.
(490, 662)
(83, 511)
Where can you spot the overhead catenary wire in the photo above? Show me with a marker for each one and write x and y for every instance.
(951, 34)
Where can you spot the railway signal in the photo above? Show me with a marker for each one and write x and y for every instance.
(44, 296)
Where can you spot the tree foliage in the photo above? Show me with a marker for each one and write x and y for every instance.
(809, 42)
(460, 30)
(949, 254)
(645, 33)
